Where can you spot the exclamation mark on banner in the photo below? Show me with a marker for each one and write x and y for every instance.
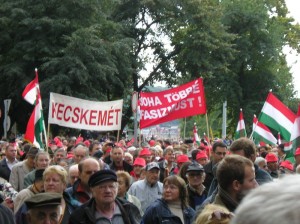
(200, 101)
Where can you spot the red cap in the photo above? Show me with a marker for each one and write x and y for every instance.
(182, 158)
(87, 143)
(297, 152)
(287, 164)
(271, 157)
(139, 162)
(145, 152)
(78, 140)
(201, 155)
(152, 143)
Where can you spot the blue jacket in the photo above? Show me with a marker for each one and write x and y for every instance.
(159, 212)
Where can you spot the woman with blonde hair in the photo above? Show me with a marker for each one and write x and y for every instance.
(55, 181)
(173, 206)
(214, 214)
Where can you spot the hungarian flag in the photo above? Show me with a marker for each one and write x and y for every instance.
(32, 90)
(196, 137)
(278, 116)
(261, 133)
(35, 125)
(295, 137)
(241, 128)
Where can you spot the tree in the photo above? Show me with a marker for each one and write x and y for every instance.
(79, 52)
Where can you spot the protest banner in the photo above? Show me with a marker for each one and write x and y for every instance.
(182, 101)
(84, 114)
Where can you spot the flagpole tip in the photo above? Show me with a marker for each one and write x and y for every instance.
(270, 90)
(254, 115)
(241, 109)
(35, 69)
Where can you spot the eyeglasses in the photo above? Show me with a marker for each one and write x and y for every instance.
(219, 215)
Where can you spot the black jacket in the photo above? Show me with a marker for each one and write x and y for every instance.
(4, 170)
(85, 213)
(159, 212)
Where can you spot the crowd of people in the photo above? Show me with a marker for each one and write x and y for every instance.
(162, 181)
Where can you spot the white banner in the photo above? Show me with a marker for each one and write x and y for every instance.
(84, 114)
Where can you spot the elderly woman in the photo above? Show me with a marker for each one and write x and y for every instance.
(55, 180)
(173, 206)
(124, 181)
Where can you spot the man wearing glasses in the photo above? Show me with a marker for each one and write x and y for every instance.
(219, 150)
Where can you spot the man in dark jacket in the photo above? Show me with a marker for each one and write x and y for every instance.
(104, 207)
(7, 163)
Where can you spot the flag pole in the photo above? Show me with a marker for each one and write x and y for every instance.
(48, 136)
(251, 136)
(184, 128)
(207, 125)
(118, 135)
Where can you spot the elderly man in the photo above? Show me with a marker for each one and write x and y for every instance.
(149, 189)
(195, 176)
(80, 191)
(105, 207)
(20, 170)
(41, 161)
(44, 208)
(79, 153)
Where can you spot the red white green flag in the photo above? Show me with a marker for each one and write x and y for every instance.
(261, 133)
(241, 128)
(295, 136)
(278, 116)
(35, 125)
(196, 136)
(31, 90)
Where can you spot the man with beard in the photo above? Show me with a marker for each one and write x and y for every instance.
(236, 177)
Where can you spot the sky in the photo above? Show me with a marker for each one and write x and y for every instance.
(292, 58)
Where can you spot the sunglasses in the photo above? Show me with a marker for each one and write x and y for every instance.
(220, 215)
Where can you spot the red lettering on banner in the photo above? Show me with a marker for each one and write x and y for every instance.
(67, 108)
(53, 109)
(117, 115)
(60, 111)
(76, 114)
(93, 116)
(83, 116)
(110, 117)
(102, 118)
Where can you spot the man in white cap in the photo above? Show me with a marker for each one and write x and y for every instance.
(148, 189)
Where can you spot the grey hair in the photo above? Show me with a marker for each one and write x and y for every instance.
(80, 146)
(280, 201)
(259, 160)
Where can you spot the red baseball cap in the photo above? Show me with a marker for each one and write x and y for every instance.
(297, 152)
(201, 155)
(182, 158)
(139, 162)
(145, 152)
(271, 157)
(287, 164)
(152, 143)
